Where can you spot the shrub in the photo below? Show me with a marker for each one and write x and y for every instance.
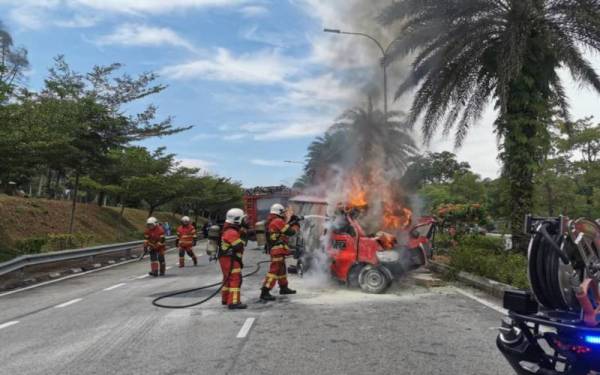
(484, 256)
(64, 241)
(30, 245)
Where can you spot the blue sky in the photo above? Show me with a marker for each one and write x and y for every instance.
(257, 78)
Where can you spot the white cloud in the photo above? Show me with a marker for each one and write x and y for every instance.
(35, 14)
(143, 35)
(304, 128)
(269, 163)
(203, 165)
(252, 11)
(27, 17)
(262, 67)
(152, 6)
(79, 21)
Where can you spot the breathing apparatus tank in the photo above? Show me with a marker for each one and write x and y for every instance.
(214, 239)
(261, 234)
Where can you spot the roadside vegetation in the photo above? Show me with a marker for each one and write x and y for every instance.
(76, 140)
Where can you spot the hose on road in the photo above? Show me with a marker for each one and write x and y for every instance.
(156, 303)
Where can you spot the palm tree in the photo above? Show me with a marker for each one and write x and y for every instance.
(468, 52)
(372, 136)
(361, 139)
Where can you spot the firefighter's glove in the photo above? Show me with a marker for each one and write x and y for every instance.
(230, 253)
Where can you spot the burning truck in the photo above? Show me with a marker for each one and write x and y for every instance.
(335, 239)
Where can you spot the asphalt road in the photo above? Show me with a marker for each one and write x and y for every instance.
(104, 323)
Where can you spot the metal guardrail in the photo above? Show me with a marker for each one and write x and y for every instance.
(67, 255)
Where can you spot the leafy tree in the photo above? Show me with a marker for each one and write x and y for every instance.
(470, 51)
(433, 168)
(210, 196)
(159, 189)
(13, 63)
(88, 109)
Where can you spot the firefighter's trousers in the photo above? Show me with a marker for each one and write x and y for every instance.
(189, 251)
(157, 260)
(277, 273)
(232, 280)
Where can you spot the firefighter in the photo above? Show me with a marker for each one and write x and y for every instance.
(278, 231)
(154, 241)
(230, 259)
(186, 240)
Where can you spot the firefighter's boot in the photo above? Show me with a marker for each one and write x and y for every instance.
(195, 260)
(237, 306)
(286, 290)
(265, 295)
(162, 269)
(153, 273)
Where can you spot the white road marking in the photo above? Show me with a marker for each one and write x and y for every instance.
(168, 268)
(482, 301)
(245, 328)
(114, 287)
(142, 277)
(71, 302)
(8, 324)
(70, 276)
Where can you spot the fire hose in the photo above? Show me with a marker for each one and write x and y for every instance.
(219, 284)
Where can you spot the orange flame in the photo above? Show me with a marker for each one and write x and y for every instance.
(395, 217)
(358, 196)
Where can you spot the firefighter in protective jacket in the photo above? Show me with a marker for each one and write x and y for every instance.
(154, 242)
(230, 258)
(278, 231)
(186, 240)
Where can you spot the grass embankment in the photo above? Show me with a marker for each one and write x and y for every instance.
(485, 256)
(32, 225)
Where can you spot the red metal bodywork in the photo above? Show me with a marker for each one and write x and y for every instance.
(346, 250)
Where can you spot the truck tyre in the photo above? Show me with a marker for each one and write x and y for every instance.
(353, 275)
(373, 280)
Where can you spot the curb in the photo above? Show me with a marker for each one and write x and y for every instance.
(492, 287)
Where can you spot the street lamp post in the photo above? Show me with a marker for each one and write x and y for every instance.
(384, 62)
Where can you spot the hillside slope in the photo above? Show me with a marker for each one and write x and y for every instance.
(24, 219)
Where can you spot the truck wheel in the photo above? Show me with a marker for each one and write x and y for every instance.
(353, 275)
(373, 280)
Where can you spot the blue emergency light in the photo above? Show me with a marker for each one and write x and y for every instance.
(592, 339)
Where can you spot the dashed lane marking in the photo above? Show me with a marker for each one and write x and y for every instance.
(71, 302)
(142, 277)
(114, 287)
(245, 328)
(482, 301)
(8, 324)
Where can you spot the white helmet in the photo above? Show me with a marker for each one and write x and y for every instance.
(185, 220)
(151, 221)
(278, 209)
(235, 216)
